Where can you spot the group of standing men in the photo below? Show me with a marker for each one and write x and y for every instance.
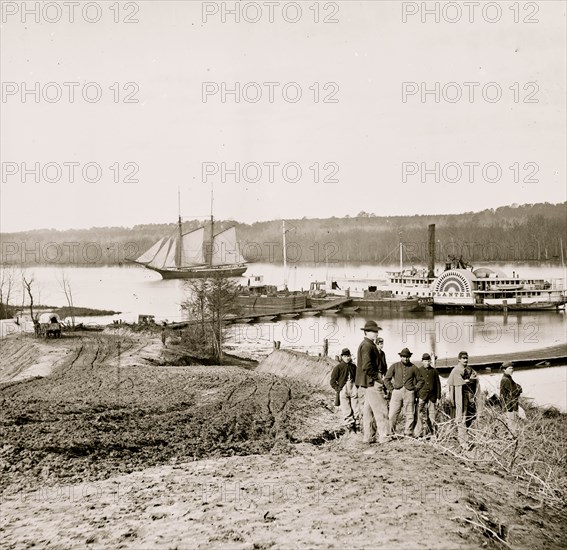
(371, 394)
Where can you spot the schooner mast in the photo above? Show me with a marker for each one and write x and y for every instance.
(179, 241)
(210, 252)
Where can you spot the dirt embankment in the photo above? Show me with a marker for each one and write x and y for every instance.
(98, 414)
(117, 452)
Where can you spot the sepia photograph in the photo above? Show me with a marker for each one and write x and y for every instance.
(283, 274)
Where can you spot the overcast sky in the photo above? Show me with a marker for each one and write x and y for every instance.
(163, 139)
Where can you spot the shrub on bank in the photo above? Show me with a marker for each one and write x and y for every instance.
(198, 341)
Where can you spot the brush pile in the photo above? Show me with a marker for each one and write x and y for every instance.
(534, 455)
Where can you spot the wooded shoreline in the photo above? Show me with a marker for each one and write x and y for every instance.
(508, 234)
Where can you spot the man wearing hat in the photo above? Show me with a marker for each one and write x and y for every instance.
(342, 381)
(428, 396)
(462, 389)
(371, 393)
(403, 380)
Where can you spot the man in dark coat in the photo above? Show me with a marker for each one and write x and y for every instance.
(403, 380)
(371, 393)
(342, 381)
(428, 396)
(510, 393)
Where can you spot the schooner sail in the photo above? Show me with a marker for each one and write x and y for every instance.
(225, 249)
(149, 254)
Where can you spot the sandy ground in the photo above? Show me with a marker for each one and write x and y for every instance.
(400, 495)
(24, 356)
(111, 452)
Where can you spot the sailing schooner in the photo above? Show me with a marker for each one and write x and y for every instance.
(190, 256)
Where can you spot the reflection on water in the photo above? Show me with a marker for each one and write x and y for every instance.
(445, 334)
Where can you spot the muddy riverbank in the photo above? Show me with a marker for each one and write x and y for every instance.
(111, 449)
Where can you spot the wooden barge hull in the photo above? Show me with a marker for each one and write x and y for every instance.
(387, 304)
(264, 303)
(380, 304)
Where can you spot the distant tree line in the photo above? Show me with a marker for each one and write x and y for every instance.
(528, 232)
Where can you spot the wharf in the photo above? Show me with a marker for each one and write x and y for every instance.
(318, 308)
(543, 357)
(274, 313)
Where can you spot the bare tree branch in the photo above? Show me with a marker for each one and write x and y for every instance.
(6, 286)
(28, 283)
(210, 301)
(65, 285)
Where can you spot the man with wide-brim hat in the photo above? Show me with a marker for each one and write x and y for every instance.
(371, 326)
(371, 391)
(403, 381)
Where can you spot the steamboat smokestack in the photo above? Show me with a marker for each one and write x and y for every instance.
(431, 251)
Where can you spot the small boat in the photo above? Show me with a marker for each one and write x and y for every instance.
(314, 313)
(264, 319)
(289, 315)
(349, 310)
(505, 286)
(232, 319)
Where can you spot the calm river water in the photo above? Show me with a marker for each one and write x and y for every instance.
(133, 290)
